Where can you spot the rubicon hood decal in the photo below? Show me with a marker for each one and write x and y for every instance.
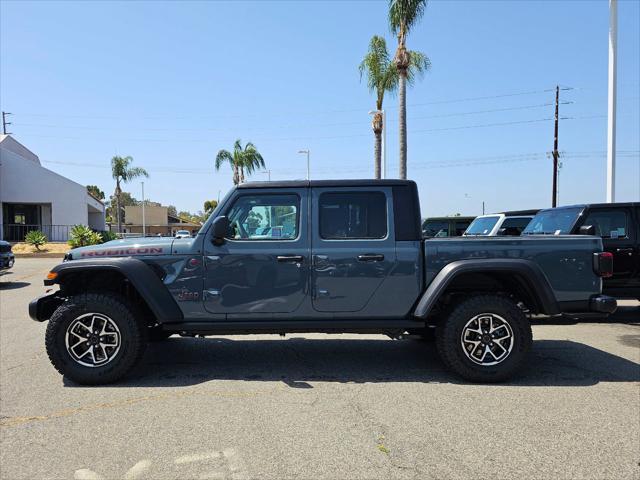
(125, 248)
(123, 251)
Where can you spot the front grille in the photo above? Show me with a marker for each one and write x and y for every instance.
(5, 248)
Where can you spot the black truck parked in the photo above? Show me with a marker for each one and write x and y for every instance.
(618, 224)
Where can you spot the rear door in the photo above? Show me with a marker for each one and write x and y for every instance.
(617, 228)
(353, 246)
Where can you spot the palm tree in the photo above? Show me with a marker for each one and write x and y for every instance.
(403, 15)
(382, 76)
(242, 160)
(122, 172)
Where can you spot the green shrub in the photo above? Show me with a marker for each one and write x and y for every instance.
(108, 235)
(81, 236)
(35, 238)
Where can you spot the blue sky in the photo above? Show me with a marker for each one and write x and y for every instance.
(171, 83)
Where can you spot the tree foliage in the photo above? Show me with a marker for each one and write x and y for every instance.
(35, 238)
(242, 160)
(382, 75)
(123, 172)
(95, 191)
(81, 236)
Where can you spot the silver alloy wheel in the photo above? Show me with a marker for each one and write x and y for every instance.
(487, 339)
(92, 339)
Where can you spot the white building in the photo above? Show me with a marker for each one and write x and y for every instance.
(34, 198)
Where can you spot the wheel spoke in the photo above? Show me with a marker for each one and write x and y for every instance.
(93, 339)
(80, 324)
(86, 351)
(80, 342)
(113, 343)
(486, 349)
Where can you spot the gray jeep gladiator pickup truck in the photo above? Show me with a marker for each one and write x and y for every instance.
(317, 256)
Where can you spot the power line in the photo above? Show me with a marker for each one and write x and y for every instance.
(313, 112)
(289, 125)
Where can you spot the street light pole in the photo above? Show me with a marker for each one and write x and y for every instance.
(144, 223)
(611, 109)
(308, 165)
(268, 172)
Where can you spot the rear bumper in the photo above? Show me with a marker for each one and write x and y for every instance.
(603, 304)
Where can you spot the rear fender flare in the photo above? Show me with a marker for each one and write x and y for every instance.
(535, 281)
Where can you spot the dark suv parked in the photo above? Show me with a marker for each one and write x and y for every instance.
(618, 224)
(440, 227)
(6, 256)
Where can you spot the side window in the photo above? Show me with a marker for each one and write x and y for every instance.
(353, 215)
(518, 223)
(609, 223)
(435, 228)
(264, 217)
(461, 226)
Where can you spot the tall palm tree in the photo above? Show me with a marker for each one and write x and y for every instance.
(242, 160)
(382, 76)
(403, 16)
(122, 172)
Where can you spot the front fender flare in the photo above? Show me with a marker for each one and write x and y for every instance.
(141, 276)
(530, 273)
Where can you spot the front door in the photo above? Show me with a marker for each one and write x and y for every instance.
(616, 227)
(262, 268)
(353, 247)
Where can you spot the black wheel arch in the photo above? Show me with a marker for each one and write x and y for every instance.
(112, 273)
(521, 278)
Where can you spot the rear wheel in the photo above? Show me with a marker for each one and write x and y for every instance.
(95, 338)
(485, 338)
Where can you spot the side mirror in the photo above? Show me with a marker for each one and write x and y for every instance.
(219, 229)
(587, 230)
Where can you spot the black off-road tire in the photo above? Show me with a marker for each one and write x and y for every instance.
(133, 337)
(449, 338)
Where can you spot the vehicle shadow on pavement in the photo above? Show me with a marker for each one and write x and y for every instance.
(296, 362)
(8, 285)
(629, 315)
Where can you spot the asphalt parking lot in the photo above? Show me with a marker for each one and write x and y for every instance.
(319, 406)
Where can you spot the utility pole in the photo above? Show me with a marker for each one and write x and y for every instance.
(5, 123)
(554, 194)
(611, 105)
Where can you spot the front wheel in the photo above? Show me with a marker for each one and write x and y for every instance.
(486, 338)
(94, 339)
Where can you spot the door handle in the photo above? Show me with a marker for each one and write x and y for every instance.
(371, 257)
(290, 258)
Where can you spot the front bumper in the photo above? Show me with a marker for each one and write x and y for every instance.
(6, 262)
(41, 308)
(603, 304)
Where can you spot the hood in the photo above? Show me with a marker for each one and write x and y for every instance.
(124, 248)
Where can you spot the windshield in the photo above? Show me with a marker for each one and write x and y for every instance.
(482, 226)
(553, 222)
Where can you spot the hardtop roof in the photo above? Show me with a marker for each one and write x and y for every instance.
(327, 183)
(596, 205)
